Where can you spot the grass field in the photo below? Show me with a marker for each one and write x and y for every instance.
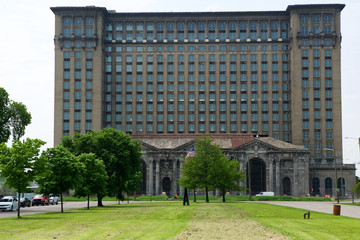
(172, 220)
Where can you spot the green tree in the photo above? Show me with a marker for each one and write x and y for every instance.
(225, 175)
(5, 115)
(356, 189)
(133, 184)
(20, 164)
(119, 152)
(210, 169)
(197, 169)
(61, 172)
(14, 117)
(93, 177)
(188, 172)
(20, 118)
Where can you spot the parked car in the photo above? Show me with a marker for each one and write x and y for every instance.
(40, 199)
(268, 194)
(54, 200)
(8, 203)
(25, 202)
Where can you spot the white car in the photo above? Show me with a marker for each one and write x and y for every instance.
(8, 203)
(54, 200)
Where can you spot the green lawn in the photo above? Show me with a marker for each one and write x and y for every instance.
(290, 222)
(166, 220)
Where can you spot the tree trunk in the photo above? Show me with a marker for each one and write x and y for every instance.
(88, 207)
(100, 202)
(207, 194)
(62, 202)
(223, 195)
(19, 204)
(194, 195)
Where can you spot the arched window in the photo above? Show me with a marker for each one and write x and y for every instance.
(328, 186)
(315, 190)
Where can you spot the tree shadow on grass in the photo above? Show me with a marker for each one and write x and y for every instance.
(127, 206)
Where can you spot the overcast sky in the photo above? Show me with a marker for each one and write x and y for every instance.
(27, 54)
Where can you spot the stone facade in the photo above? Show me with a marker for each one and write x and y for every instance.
(285, 168)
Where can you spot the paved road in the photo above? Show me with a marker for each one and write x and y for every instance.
(325, 207)
(51, 208)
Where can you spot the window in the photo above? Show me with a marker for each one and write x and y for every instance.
(315, 24)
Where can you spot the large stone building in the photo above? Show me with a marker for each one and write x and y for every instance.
(168, 78)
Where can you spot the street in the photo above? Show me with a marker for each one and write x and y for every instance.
(51, 208)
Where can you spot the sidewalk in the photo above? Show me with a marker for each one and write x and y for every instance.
(325, 207)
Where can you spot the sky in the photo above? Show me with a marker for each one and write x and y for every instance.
(27, 54)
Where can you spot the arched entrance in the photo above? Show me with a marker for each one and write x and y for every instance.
(256, 169)
(328, 186)
(315, 186)
(286, 186)
(166, 185)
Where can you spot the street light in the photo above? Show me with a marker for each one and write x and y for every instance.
(337, 190)
(355, 139)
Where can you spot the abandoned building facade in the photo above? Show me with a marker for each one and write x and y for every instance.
(265, 85)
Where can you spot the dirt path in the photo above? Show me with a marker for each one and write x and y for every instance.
(215, 223)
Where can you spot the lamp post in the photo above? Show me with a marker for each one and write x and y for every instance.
(337, 190)
(354, 139)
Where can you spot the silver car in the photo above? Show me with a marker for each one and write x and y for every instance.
(54, 200)
(8, 203)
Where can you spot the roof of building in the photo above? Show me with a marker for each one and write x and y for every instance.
(174, 141)
(314, 6)
(195, 14)
(280, 144)
(224, 141)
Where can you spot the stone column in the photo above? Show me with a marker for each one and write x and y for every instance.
(271, 175)
(306, 176)
(157, 177)
(277, 177)
(241, 168)
(151, 178)
(181, 188)
(174, 185)
(295, 183)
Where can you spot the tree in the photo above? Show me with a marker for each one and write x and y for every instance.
(225, 175)
(188, 172)
(210, 169)
(61, 172)
(355, 191)
(14, 117)
(20, 164)
(93, 177)
(133, 184)
(20, 118)
(119, 152)
(4, 116)
(196, 170)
